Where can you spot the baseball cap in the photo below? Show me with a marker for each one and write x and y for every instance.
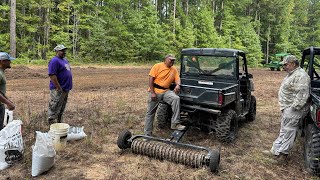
(289, 58)
(170, 56)
(6, 56)
(59, 47)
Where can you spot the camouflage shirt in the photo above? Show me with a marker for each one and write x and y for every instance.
(294, 90)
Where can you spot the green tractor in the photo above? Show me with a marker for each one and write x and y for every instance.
(275, 65)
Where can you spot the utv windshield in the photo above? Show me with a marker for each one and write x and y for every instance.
(209, 65)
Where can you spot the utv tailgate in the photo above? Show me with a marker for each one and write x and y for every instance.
(208, 93)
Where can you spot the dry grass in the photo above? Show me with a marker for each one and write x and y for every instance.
(106, 100)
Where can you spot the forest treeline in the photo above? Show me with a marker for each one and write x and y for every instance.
(144, 30)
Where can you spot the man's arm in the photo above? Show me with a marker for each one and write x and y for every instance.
(55, 81)
(151, 86)
(302, 87)
(178, 82)
(6, 101)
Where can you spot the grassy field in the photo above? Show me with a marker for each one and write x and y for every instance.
(106, 100)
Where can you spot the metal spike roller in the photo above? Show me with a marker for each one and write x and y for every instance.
(163, 151)
(171, 150)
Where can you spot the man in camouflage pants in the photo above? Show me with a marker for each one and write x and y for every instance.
(60, 75)
(293, 101)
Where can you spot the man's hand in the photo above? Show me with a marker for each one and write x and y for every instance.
(177, 89)
(153, 96)
(11, 106)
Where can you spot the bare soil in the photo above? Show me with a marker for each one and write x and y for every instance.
(106, 100)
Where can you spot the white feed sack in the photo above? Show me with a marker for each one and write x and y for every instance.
(43, 154)
(11, 144)
(75, 133)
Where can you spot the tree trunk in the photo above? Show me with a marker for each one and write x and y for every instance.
(187, 8)
(220, 25)
(13, 47)
(75, 33)
(257, 17)
(268, 41)
(174, 16)
(213, 11)
(46, 33)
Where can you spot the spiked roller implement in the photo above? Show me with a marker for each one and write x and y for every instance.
(170, 149)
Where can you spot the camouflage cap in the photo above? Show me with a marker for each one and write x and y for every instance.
(59, 47)
(289, 58)
(170, 56)
(6, 56)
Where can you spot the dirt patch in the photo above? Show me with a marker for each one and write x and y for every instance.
(24, 72)
(106, 100)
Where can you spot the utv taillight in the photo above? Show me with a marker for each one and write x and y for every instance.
(220, 100)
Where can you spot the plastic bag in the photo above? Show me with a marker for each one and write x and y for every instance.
(43, 154)
(75, 133)
(11, 144)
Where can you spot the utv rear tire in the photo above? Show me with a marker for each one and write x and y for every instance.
(214, 161)
(251, 116)
(312, 149)
(163, 115)
(226, 126)
(123, 138)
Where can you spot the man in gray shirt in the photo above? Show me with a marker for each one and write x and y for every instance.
(293, 100)
(5, 61)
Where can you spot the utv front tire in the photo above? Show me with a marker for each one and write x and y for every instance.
(163, 115)
(251, 116)
(312, 149)
(226, 126)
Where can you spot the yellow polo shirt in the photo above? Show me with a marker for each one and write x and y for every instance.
(164, 76)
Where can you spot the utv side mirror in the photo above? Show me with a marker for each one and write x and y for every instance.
(250, 76)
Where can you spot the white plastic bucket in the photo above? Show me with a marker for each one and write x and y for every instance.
(59, 133)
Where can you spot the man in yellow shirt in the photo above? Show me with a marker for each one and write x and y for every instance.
(160, 78)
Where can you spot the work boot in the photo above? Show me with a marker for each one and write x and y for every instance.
(178, 127)
(270, 154)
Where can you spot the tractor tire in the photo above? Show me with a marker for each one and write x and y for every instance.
(251, 116)
(214, 161)
(227, 126)
(163, 115)
(123, 138)
(312, 149)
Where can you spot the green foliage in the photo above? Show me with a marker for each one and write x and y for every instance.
(205, 32)
(139, 31)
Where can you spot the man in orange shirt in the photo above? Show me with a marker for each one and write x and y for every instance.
(160, 78)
